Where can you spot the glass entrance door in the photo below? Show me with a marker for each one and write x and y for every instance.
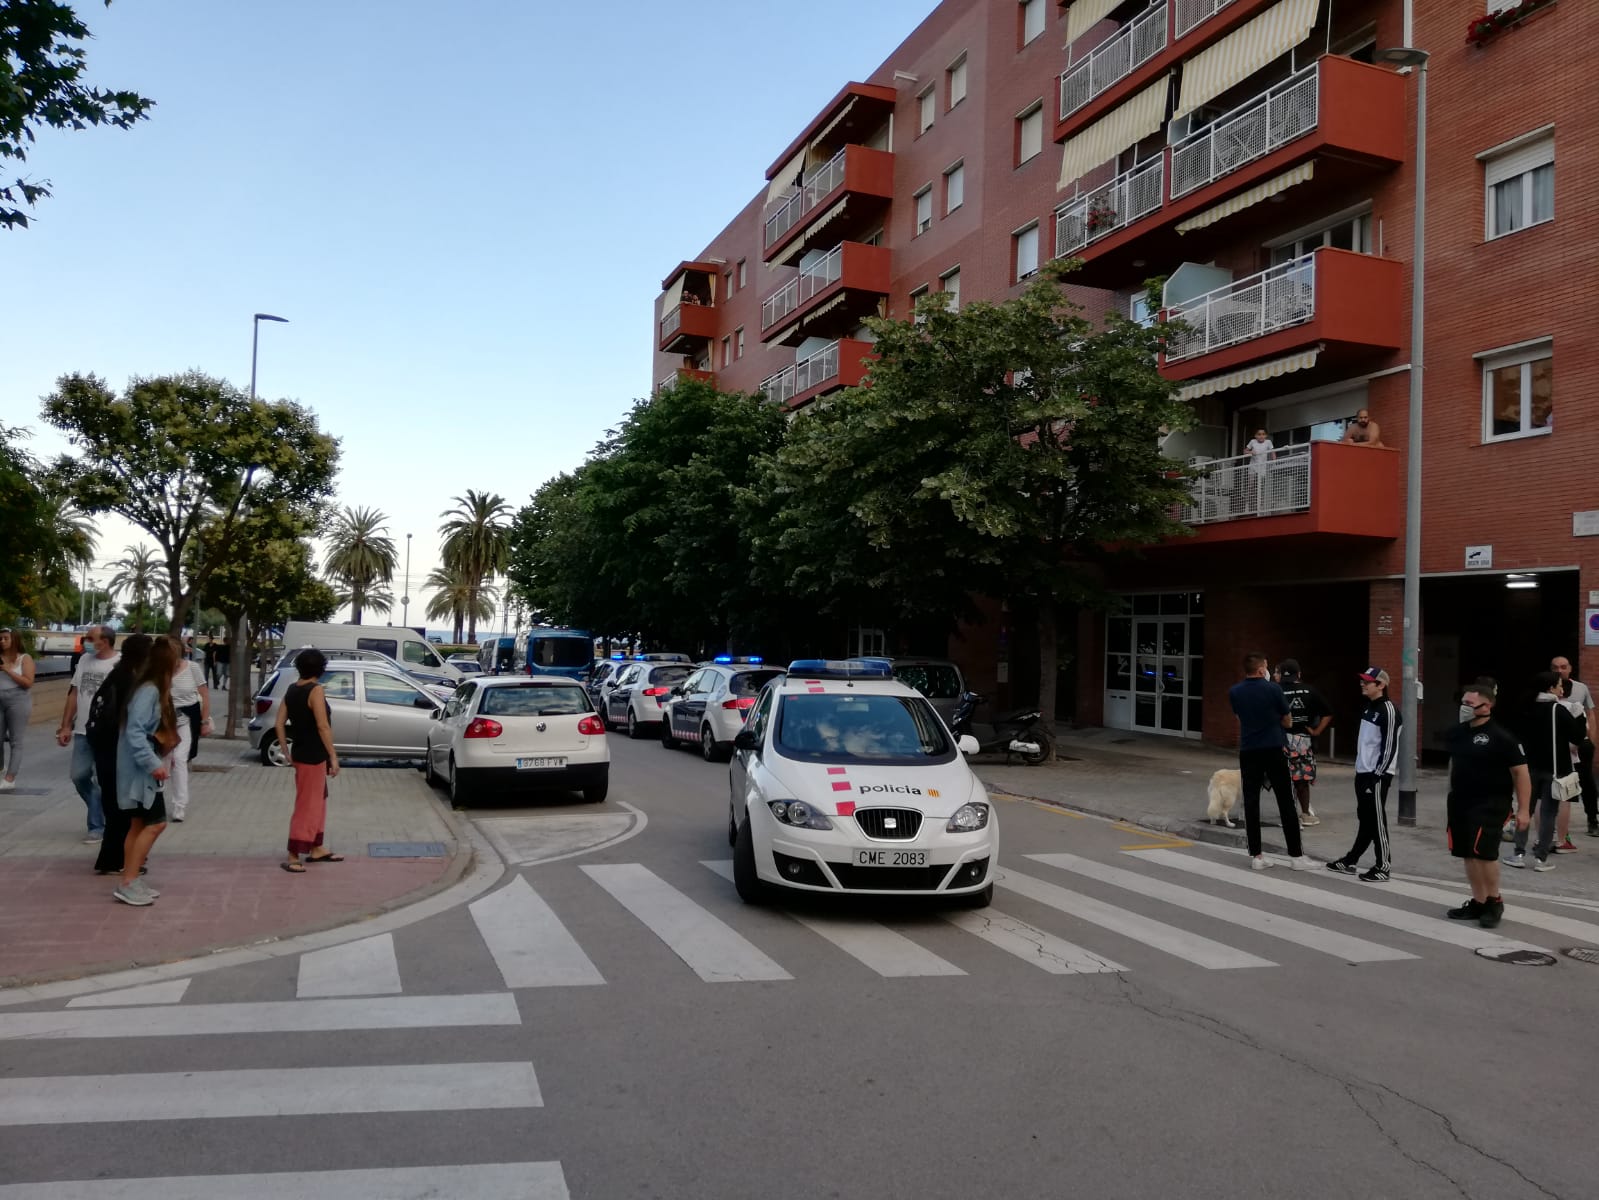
(1161, 666)
(1154, 663)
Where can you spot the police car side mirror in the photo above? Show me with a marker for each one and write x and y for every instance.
(746, 739)
(968, 744)
(678, 690)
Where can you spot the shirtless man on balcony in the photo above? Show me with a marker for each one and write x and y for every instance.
(1363, 431)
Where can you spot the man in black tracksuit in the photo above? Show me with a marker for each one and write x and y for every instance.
(1375, 755)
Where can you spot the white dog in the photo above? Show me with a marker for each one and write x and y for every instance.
(1225, 789)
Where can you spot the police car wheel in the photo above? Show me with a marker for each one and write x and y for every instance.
(980, 899)
(668, 742)
(708, 749)
(745, 881)
(635, 729)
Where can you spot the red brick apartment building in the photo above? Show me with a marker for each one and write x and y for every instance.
(1260, 155)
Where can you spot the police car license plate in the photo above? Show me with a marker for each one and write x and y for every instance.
(890, 858)
(539, 764)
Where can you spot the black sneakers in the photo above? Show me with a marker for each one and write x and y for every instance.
(1341, 867)
(1492, 912)
(1469, 911)
(1375, 875)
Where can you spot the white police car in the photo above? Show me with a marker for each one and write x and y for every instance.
(845, 780)
(708, 708)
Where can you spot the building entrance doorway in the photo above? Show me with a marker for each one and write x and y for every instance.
(1154, 665)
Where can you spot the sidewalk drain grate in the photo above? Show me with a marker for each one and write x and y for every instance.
(1582, 954)
(208, 768)
(405, 850)
(1518, 958)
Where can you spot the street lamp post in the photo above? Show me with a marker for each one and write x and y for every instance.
(405, 600)
(255, 342)
(1409, 56)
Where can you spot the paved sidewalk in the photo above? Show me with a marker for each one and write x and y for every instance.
(217, 871)
(1159, 784)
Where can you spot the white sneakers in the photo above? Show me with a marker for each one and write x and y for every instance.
(8, 785)
(1309, 817)
(1258, 863)
(1298, 862)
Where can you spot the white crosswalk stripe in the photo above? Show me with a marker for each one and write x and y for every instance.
(529, 944)
(1515, 913)
(1044, 950)
(1328, 941)
(494, 1181)
(169, 992)
(364, 968)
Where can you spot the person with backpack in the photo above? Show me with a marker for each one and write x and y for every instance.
(102, 731)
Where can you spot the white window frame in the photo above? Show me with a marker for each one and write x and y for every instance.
(1017, 241)
(917, 294)
(1035, 115)
(954, 182)
(738, 343)
(951, 276)
(1310, 238)
(727, 351)
(923, 224)
(1500, 5)
(1523, 355)
(1518, 158)
(743, 274)
(926, 109)
(953, 75)
(1035, 14)
(1140, 311)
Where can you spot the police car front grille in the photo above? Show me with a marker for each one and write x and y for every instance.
(890, 879)
(889, 824)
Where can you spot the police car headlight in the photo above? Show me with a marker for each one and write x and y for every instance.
(968, 818)
(799, 814)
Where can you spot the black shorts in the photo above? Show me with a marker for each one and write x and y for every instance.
(1475, 826)
(156, 814)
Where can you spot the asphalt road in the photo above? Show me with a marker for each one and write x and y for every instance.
(1132, 1020)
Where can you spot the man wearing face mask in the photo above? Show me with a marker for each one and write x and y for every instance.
(1363, 431)
(1488, 781)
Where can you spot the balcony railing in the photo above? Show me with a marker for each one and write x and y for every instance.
(1131, 195)
(1231, 489)
(1253, 130)
(802, 376)
(779, 388)
(1133, 45)
(672, 321)
(1192, 13)
(822, 273)
(780, 303)
(1277, 298)
(801, 202)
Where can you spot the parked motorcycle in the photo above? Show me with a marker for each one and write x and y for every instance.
(1020, 733)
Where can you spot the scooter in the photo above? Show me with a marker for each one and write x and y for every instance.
(1015, 733)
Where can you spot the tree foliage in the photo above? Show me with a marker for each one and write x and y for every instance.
(178, 453)
(42, 62)
(140, 579)
(45, 538)
(361, 558)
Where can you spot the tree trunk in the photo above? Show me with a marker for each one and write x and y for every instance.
(1048, 661)
(238, 673)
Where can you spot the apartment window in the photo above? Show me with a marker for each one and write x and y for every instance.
(954, 188)
(738, 342)
(1518, 392)
(727, 350)
(1140, 311)
(956, 77)
(1032, 20)
(1343, 233)
(916, 298)
(727, 281)
(743, 274)
(924, 210)
(1521, 185)
(950, 285)
(1030, 134)
(926, 104)
(1500, 5)
(1026, 251)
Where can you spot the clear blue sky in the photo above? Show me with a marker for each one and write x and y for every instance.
(465, 210)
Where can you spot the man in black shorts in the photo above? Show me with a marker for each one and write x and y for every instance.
(1487, 767)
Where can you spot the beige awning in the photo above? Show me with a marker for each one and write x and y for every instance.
(783, 181)
(674, 294)
(1113, 133)
(1251, 374)
(826, 218)
(814, 152)
(1084, 15)
(1261, 191)
(1244, 51)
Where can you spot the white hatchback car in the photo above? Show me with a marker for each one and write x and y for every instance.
(846, 780)
(519, 733)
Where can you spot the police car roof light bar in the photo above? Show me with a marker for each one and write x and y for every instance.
(754, 660)
(840, 668)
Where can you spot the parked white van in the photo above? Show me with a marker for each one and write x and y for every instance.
(405, 646)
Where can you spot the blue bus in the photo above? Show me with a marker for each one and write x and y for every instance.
(551, 650)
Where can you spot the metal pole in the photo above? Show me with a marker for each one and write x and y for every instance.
(1412, 616)
(405, 598)
(255, 344)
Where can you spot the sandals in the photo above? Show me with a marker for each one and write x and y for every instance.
(293, 868)
(321, 858)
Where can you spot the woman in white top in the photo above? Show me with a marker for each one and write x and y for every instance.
(191, 698)
(16, 703)
(1260, 451)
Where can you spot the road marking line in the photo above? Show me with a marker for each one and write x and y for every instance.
(297, 1091)
(1159, 846)
(1436, 928)
(712, 948)
(170, 992)
(1313, 937)
(1191, 947)
(364, 968)
(492, 1181)
(1044, 950)
(1518, 914)
(530, 946)
(267, 1016)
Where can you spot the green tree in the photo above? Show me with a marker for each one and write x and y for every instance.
(557, 567)
(42, 544)
(454, 594)
(177, 453)
(1006, 449)
(361, 558)
(42, 62)
(476, 544)
(139, 577)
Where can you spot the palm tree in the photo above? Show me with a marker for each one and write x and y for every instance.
(360, 558)
(477, 542)
(141, 576)
(72, 529)
(453, 596)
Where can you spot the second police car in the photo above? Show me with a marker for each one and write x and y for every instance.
(845, 780)
(708, 708)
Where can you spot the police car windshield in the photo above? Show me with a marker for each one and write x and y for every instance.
(861, 728)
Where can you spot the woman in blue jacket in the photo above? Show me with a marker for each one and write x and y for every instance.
(149, 735)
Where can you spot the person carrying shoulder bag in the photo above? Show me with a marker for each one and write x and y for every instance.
(1551, 732)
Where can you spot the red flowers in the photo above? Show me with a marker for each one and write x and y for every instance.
(1483, 30)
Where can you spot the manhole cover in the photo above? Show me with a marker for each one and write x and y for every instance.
(405, 850)
(1518, 958)
(207, 769)
(1582, 954)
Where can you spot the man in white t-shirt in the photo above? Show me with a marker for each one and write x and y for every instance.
(87, 677)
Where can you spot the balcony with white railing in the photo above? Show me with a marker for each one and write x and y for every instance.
(1113, 60)
(821, 183)
(779, 304)
(856, 171)
(821, 274)
(1127, 198)
(1275, 299)
(779, 388)
(829, 295)
(836, 365)
(1256, 128)
(686, 325)
(1190, 14)
(1231, 489)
